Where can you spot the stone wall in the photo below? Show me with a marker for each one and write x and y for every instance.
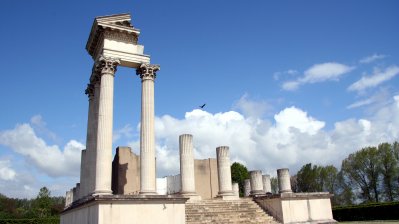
(125, 172)
(206, 178)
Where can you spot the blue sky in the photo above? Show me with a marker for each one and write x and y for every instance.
(285, 83)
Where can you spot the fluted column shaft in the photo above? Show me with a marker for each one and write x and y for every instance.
(284, 182)
(187, 164)
(224, 171)
(147, 136)
(105, 121)
(93, 153)
(87, 160)
(267, 186)
(256, 182)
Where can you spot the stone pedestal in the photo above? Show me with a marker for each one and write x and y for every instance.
(224, 172)
(267, 186)
(284, 182)
(247, 187)
(187, 167)
(236, 189)
(105, 121)
(147, 74)
(256, 182)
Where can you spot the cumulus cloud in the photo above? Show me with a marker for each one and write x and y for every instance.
(252, 108)
(371, 58)
(290, 139)
(6, 172)
(49, 159)
(378, 77)
(319, 73)
(126, 131)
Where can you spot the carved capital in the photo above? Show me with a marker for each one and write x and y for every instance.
(90, 91)
(107, 65)
(147, 71)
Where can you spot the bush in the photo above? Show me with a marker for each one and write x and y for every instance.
(372, 211)
(30, 221)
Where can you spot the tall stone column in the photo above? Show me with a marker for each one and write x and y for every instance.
(147, 74)
(86, 167)
(187, 166)
(224, 172)
(284, 182)
(92, 157)
(256, 182)
(247, 187)
(267, 186)
(105, 120)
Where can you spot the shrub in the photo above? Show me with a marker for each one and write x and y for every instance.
(30, 221)
(372, 211)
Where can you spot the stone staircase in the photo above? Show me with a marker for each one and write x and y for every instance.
(222, 211)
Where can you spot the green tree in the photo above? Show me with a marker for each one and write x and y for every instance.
(43, 203)
(361, 170)
(238, 174)
(274, 184)
(308, 178)
(389, 169)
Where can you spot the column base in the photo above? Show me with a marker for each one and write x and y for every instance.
(102, 192)
(192, 196)
(257, 193)
(227, 195)
(285, 191)
(148, 193)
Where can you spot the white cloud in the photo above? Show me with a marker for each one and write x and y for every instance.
(319, 73)
(291, 139)
(376, 101)
(291, 72)
(49, 159)
(371, 58)
(41, 126)
(6, 172)
(252, 108)
(378, 77)
(126, 131)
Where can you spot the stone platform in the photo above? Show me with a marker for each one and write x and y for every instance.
(126, 209)
(307, 208)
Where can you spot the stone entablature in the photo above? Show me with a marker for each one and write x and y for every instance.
(115, 36)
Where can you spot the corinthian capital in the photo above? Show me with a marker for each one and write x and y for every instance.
(90, 91)
(107, 65)
(147, 71)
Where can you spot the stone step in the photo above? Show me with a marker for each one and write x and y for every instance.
(231, 211)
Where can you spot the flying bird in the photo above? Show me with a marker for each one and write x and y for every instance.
(202, 106)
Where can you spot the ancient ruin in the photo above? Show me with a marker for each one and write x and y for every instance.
(125, 189)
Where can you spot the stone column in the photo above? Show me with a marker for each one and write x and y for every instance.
(284, 182)
(105, 120)
(87, 174)
(267, 186)
(256, 182)
(236, 189)
(187, 166)
(83, 173)
(147, 74)
(247, 187)
(224, 172)
(92, 156)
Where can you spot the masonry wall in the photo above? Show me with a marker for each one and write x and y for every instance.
(206, 178)
(125, 172)
(126, 176)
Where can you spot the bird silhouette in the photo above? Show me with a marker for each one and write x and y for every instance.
(202, 106)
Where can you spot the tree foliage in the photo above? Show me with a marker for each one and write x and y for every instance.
(238, 174)
(43, 206)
